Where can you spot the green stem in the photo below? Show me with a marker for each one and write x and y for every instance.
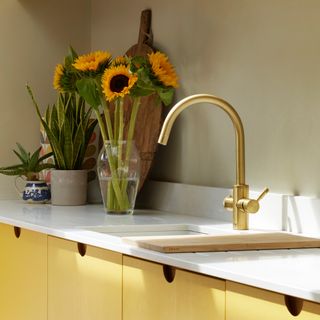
(115, 180)
(102, 126)
(132, 123)
(107, 117)
(121, 199)
(116, 119)
(110, 196)
(120, 134)
(121, 121)
(123, 202)
(133, 117)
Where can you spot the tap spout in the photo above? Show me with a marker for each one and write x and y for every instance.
(224, 105)
(239, 201)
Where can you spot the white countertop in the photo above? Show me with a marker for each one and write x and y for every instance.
(293, 272)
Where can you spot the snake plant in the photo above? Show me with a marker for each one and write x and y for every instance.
(69, 127)
(30, 165)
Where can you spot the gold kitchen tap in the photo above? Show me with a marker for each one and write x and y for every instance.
(239, 202)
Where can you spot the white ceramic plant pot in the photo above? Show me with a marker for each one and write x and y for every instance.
(68, 187)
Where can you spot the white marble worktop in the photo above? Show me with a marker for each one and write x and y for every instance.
(292, 272)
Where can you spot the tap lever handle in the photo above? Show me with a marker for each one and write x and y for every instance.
(263, 193)
(251, 205)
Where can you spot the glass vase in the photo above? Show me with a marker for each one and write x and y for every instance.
(119, 173)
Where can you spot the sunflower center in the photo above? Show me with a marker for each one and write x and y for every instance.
(118, 83)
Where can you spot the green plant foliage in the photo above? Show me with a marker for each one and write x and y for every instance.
(148, 83)
(69, 127)
(30, 165)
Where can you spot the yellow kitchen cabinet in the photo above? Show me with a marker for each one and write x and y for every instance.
(23, 274)
(147, 294)
(84, 282)
(249, 303)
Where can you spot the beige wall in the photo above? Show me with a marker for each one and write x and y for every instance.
(261, 56)
(34, 35)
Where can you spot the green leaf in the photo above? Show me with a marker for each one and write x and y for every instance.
(45, 156)
(72, 53)
(62, 122)
(79, 141)
(166, 95)
(13, 172)
(24, 155)
(56, 148)
(44, 166)
(136, 63)
(54, 119)
(20, 157)
(47, 115)
(34, 160)
(68, 145)
(34, 101)
(137, 91)
(88, 90)
(16, 166)
(60, 112)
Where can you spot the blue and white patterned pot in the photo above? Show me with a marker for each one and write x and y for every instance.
(36, 192)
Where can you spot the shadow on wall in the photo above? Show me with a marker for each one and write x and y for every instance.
(303, 215)
(172, 153)
(62, 19)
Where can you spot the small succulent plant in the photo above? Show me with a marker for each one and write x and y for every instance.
(30, 165)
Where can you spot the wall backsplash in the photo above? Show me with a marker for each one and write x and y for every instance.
(281, 212)
(35, 36)
(261, 56)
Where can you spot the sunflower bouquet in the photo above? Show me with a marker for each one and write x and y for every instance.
(105, 83)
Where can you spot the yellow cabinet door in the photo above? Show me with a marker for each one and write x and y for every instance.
(249, 303)
(148, 295)
(23, 274)
(84, 287)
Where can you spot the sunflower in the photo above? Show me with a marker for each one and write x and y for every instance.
(120, 61)
(92, 61)
(58, 74)
(163, 69)
(64, 79)
(117, 82)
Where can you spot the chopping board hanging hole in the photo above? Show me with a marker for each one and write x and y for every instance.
(145, 36)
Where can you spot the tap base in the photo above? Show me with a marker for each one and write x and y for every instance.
(240, 217)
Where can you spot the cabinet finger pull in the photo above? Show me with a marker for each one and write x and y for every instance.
(82, 249)
(294, 305)
(17, 232)
(169, 273)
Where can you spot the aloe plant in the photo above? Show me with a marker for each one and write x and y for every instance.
(69, 127)
(30, 165)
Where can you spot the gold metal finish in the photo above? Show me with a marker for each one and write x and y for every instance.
(251, 205)
(263, 193)
(239, 203)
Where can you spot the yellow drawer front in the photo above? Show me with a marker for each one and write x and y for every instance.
(249, 303)
(148, 295)
(83, 287)
(23, 275)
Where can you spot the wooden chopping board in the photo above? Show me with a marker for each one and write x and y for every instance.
(216, 243)
(149, 118)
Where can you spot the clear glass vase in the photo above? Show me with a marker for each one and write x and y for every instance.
(119, 172)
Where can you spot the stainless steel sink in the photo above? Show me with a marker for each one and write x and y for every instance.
(154, 230)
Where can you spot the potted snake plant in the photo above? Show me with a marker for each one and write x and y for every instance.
(35, 190)
(69, 127)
